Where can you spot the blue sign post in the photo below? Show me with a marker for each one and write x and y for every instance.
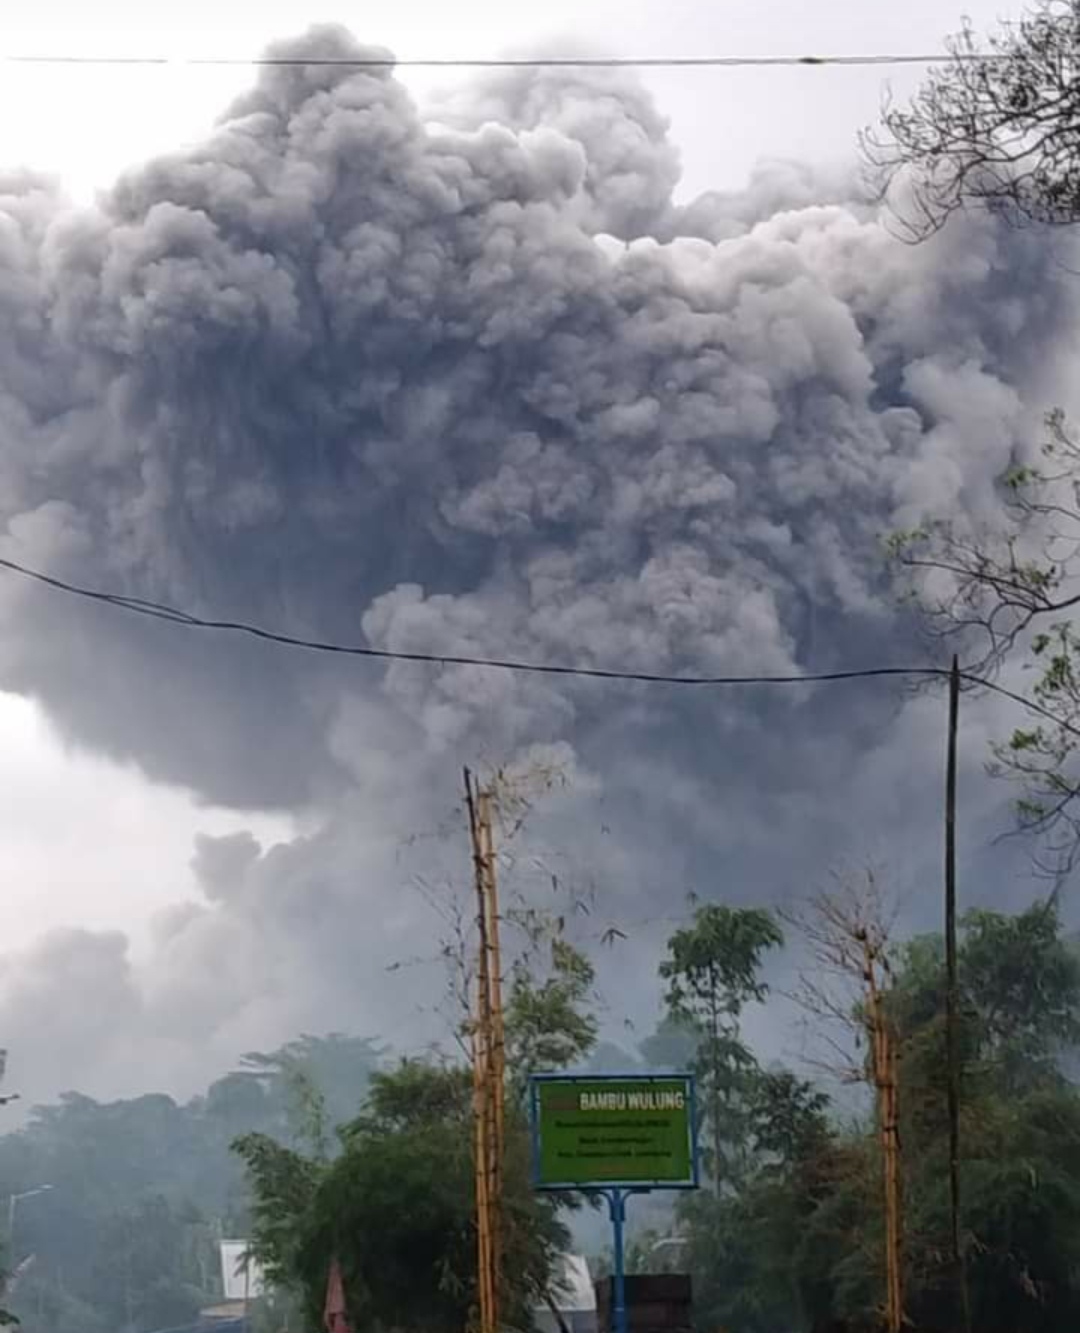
(616, 1199)
(614, 1135)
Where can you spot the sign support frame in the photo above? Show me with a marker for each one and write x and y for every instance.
(617, 1196)
(616, 1193)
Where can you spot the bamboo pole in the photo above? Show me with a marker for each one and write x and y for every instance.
(883, 1055)
(497, 1039)
(488, 1060)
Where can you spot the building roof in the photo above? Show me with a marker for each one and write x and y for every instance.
(229, 1309)
(211, 1326)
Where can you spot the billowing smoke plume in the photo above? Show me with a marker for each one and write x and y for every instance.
(472, 382)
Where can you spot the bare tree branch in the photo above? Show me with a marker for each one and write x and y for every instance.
(1000, 134)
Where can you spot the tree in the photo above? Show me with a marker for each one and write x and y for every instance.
(1020, 1001)
(147, 1263)
(548, 1024)
(1019, 993)
(395, 1203)
(1009, 591)
(999, 130)
(283, 1184)
(334, 1070)
(127, 1235)
(746, 1246)
(396, 1208)
(711, 971)
(997, 127)
(849, 938)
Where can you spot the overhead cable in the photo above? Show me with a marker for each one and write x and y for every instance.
(173, 615)
(506, 62)
(162, 611)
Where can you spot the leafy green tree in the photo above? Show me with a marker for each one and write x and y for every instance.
(1020, 1143)
(48, 1306)
(712, 972)
(396, 1202)
(396, 1208)
(146, 1262)
(126, 1236)
(327, 1076)
(548, 1022)
(795, 1242)
(1022, 981)
(747, 1245)
(283, 1183)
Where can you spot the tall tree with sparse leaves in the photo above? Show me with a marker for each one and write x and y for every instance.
(711, 972)
(1008, 592)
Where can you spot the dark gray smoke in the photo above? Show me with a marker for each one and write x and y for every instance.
(474, 383)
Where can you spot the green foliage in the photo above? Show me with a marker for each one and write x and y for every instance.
(396, 1207)
(126, 1239)
(147, 1261)
(791, 1242)
(1023, 981)
(396, 1204)
(283, 1185)
(547, 1023)
(795, 1240)
(711, 973)
(712, 966)
(1020, 1004)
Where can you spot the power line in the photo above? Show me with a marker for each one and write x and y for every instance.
(173, 615)
(1032, 705)
(507, 62)
(162, 611)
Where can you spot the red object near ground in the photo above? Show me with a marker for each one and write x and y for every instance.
(334, 1316)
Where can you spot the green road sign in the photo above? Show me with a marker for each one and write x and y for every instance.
(628, 1130)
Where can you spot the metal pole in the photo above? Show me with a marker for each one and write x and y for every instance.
(617, 1207)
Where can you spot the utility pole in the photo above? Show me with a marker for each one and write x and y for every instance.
(952, 996)
(489, 1057)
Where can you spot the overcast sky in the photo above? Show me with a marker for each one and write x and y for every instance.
(89, 124)
(87, 838)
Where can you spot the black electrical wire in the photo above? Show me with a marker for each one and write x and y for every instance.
(161, 611)
(175, 616)
(509, 62)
